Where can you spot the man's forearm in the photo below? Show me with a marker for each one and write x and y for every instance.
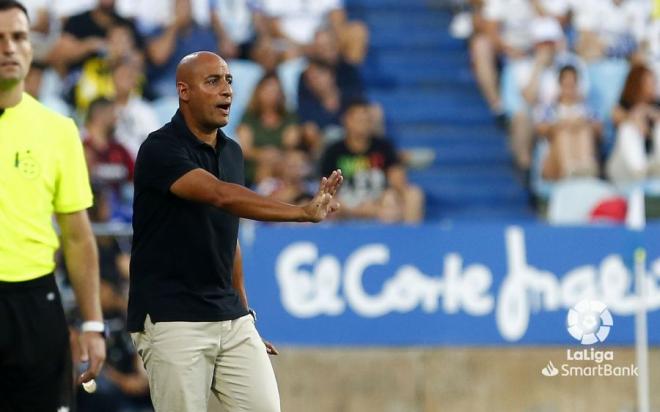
(245, 203)
(200, 186)
(82, 264)
(81, 257)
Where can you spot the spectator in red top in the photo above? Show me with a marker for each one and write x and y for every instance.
(109, 162)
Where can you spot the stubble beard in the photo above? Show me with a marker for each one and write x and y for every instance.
(8, 83)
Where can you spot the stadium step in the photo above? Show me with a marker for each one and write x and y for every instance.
(426, 133)
(374, 5)
(415, 57)
(386, 37)
(422, 78)
(419, 76)
(439, 100)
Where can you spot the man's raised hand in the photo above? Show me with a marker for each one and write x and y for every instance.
(324, 203)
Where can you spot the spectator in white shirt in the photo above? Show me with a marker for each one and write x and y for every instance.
(237, 24)
(294, 23)
(503, 30)
(150, 14)
(610, 28)
(135, 118)
(533, 81)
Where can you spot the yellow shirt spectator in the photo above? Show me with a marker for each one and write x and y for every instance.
(42, 172)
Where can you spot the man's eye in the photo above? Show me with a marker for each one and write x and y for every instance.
(230, 79)
(212, 81)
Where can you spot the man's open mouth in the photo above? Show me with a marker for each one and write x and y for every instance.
(223, 106)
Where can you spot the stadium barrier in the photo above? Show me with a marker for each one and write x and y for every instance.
(462, 284)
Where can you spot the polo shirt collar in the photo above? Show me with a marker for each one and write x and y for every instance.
(180, 123)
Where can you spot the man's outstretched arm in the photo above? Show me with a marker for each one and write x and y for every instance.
(201, 186)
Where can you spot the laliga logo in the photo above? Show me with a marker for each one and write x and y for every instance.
(589, 321)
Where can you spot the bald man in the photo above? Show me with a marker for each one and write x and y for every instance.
(188, 311)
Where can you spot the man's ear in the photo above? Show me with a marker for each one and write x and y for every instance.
(183, 91)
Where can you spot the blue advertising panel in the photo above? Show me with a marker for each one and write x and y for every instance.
(467, 284)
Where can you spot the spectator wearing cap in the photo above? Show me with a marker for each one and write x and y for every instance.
(534, 81)
(502, 36)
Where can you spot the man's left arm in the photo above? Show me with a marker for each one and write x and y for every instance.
(239, 286)
(81, 257)
(237, 276)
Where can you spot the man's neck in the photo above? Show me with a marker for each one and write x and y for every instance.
(206, 136)
(11, 97)
(209, 137)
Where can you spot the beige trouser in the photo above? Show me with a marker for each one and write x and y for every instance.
(186, 361)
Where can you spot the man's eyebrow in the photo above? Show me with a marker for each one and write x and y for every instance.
(15, 32)
(219, 76)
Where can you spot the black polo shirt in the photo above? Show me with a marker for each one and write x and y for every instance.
(183, 251)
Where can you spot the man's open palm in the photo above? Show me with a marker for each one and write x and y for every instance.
(324, 202)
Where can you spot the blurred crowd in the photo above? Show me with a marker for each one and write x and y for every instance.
(299, 106)
(299, 110)
(575, 84)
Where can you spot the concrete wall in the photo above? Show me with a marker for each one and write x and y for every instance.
(449, 379)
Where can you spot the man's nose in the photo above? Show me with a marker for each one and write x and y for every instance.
(7, 47)
(227, 91)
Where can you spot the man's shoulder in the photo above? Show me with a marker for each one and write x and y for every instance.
(158, 139)
(165, 132)
(44, 115)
